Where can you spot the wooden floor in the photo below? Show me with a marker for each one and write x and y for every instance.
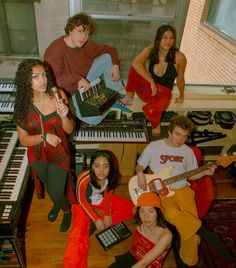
(45, 244)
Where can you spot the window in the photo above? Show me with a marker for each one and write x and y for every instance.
(222, 16)
(17, 29)
(131, 25)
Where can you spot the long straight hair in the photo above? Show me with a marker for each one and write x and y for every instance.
(114, 174)
(154, 55)
(161, 222)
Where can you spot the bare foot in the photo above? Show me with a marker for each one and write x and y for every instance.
(126, 100)
(156, 131)
(130, 94)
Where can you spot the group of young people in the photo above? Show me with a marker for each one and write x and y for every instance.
(44, 122)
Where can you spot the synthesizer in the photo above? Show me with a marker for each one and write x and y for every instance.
(7, 98)
(120, 131)
(13, 180)
(96, 100)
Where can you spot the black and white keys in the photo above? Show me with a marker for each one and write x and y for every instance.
(10, 184)
(7, 85)
(7, 101)
(7, 144)
(110, 136)
(7, 98)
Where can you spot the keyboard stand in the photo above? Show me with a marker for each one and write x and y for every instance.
(11, 245)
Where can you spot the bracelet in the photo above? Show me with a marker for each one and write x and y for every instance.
(44, 137)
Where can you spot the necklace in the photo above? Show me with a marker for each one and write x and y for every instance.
(162, 56)
(162, 59)
(39, 99)
(40, 109)
(40, 113)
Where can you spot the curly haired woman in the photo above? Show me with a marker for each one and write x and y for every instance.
(43, 123)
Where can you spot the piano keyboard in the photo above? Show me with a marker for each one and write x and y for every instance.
(10, 184)
(7, 145)
(6, 103)
(115, 131)
(6, 85)
(7, 98)
(13, 181)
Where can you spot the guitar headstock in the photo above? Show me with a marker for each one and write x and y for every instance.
(225, 161)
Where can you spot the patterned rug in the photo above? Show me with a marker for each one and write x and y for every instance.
(222, 220)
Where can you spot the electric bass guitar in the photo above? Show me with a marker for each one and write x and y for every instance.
(160, 182)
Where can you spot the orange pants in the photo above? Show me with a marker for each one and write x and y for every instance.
(76, 253)
(155, 104)
(181, 211)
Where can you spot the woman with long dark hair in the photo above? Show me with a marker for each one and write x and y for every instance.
(152, 240)
(43, 123)
(153, 73)
(98, 207)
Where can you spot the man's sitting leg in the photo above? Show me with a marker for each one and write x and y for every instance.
(214, 240)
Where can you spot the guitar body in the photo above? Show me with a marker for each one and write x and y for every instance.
(158, 179)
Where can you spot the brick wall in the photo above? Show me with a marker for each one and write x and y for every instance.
(211, 58)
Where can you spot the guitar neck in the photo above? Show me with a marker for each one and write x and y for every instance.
(187, 174)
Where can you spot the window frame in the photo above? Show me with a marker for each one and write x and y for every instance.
(210, 25)
(8, 52)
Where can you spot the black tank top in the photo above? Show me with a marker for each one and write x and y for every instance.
(168, 78)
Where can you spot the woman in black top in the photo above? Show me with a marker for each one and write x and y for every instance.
(154, 82)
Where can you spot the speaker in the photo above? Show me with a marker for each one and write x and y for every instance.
(80, 162)
(200, 118)
(225, 119)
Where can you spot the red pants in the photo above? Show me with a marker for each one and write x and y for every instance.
(155, 104)
(77, 249)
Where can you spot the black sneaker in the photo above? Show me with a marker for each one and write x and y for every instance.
(53, 213)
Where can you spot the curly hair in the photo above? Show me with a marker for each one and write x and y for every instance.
(81, 19)
(161, 222)
(23, 83)
(183, 122)
(114, 174)
(154, 55)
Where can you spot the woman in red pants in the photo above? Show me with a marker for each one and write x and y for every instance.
(153, 82)
(98, 207)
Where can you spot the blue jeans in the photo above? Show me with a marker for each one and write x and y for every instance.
(101, 66)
